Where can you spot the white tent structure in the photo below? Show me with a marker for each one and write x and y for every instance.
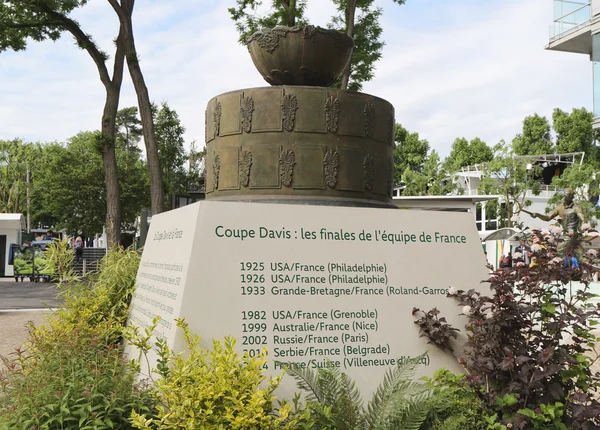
(11, 226)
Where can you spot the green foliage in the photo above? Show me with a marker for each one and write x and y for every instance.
(16, 157)
(282, 12)
(29, 19)
(585, 182)
(465, 153)
(134, 178)
(535, 138)
(508, 176)
(56, 200)
(72, 374)
(214, 389)
(171, 153)
(335, 402)
(574, 133)
(410, 152)
(454, 405)
(368, 45)
(546, 417)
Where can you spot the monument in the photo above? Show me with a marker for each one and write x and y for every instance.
(330, 274)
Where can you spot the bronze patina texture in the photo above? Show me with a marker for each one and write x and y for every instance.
(300, 55)
(291, 143)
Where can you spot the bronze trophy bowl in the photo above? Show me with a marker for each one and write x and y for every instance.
(308, 55)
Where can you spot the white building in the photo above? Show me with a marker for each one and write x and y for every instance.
(11, 226)
(576, 29)
(467, 198)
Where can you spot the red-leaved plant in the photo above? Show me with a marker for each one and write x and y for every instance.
(531, 343)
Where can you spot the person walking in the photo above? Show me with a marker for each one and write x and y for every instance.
(78, 245)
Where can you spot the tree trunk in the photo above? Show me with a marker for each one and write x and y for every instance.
(157, 195)
(111, 105)
(111, 176)
(350, 16)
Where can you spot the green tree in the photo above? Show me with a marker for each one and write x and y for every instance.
(410, 152)
(585, 181)
(465, 153)
(169, 135)
(535, 138)
(431, 180)
(16, 160)
(39, 20)
(124, 10)
(70, 185)
(363, 27)
(366, 32)
(282, 12)
(574, 133)
(135, 180)
(508, 176)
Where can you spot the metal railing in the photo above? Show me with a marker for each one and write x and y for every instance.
(571, 21)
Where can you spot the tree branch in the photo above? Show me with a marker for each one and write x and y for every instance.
(84, 40)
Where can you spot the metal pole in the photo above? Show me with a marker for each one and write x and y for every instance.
(28, 204)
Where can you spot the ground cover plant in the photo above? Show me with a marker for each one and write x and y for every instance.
(531, 342)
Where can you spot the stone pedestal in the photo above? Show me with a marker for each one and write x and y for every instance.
(300, 144)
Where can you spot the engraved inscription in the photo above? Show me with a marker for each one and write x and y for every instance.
(244, 165)
(331, 163)
(332, 113)
(289, 106)
(369, 118)
(369, 166)
(217, 117)
(216, 169)
(287, 159)
(246, 110)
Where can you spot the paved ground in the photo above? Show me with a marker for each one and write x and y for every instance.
(14, 330)
(21, 302)
(27, 295)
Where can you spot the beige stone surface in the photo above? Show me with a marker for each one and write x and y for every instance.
(14, 329)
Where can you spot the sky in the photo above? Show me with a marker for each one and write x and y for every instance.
(451, 68)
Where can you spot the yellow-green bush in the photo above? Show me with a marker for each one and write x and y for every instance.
(72, 374)
(216, 389)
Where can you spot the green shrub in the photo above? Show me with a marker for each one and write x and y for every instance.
(215, 389)
(454, 405)
(76, 383)
(71, 374)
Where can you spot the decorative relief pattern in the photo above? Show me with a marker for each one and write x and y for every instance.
(217, 117)
(369, 166)
(268, 39)
(287, 159)
(244, 165)
(216, 165)
(206, 125)
(332, 113)
(331, 163)
(289, 106)
(369, 118)
(246, 110)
